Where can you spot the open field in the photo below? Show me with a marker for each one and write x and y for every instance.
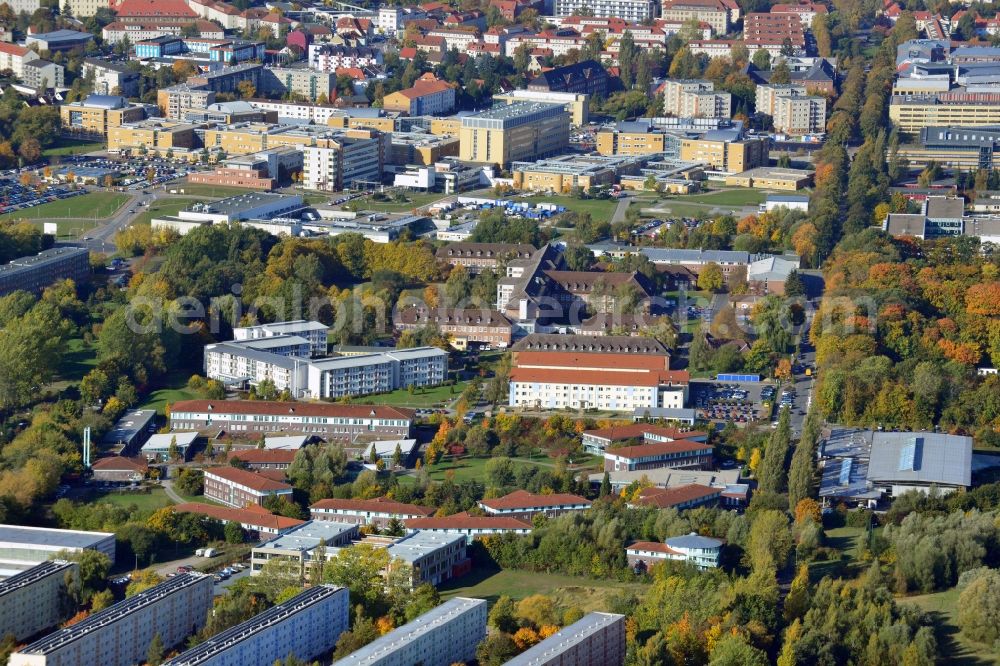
(420, 398)
(740, 197)
(73, 147)
(163, 207)
(943, 606)
(587, 594)
(169, 389)
(145, 502)
(474, 469)
(91, 206)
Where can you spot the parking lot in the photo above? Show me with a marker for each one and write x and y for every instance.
(14, 196)
(133, 173)
(721, 402)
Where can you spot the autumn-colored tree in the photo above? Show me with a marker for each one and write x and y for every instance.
(384, 625)
(525, 637)
(808, 509)
(983, 299)
(783, 371)
(755, 458)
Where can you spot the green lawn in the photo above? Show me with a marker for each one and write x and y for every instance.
(78, 359)
(740, 197)
(201, 190)
(943, 606)
(73, 147)
(587, 594)
(164, 207)
(145, 502)
(437, 395)
(94, 206)
(169, 389)
(474, 469)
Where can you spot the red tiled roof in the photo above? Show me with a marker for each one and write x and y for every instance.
(637, 430)
(379, 504)
(463, 521)
(252, 515)
(654, 546)
(12, 49)
(153, 8)
(115, 463)
(657, 449)
(296, 408)
(355, 73)
(665, 498)
(252, 480)
(604, 377)
(262, 456)
(522, 499)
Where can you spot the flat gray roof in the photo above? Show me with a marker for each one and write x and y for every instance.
(921, 458)
(43, 536)
(379, 649)
(563, 639)
(414, 546)
(307, 536)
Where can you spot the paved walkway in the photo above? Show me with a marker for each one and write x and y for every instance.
(168, 487)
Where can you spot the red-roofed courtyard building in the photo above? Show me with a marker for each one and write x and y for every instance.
(680, 454)
(240, 488)
(524, 505)
(378, 511)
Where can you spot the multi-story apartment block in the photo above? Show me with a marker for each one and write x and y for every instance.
(426, 97)
(522, 131)
(695, 98)
(354, 160)
(377, 373)
(96, 114)
(725, 154)
(461, 326)
(597, 638)
(702, 552)
(429, 558)
(254, 417)
(308, 626)
(309, 545)
(331, 57)
(314, 332)
(774, 33)
(120, 634)
(35, 599)
(716, 13)
(379, 511)
(792, 109)
(13, 57)
(616, 373)
(111, 78)
(36, 272)
(176, 101)
(239, 487)
(42, 74)
(678, 454)
(280, 81)
(448, 634)
(525, 505)
(630, 10)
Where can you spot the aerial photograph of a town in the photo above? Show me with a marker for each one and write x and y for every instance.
(499, 332)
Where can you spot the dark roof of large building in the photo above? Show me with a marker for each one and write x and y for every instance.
(598, 344)
(522, 499)
(561, 77)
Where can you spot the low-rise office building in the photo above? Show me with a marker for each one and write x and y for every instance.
(601, 439)
(131, 431)
(563, 173)
(429, 558)
(587, 77)
(445, 635)
(24, 547)
(597, 638)
(939, 217)
(36, 272)
(476, 257)
(471, 527)
(702, 552)
(461, 326)
(771, 178)
(525, 505)
(119, 469)
(305, 545)
(120, 635)
(33, 600)
(254, 518)
(239, 487)
(268, 458)
(426, 97)
(379, 511)
(308, 626)
(252, 418)
(96, 114)
(679, 454)
(683, 497)
(957, 108)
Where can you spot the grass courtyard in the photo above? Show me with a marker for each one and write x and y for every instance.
(943, 606)
(64, 147)
(144, 502)
(420, 398)
(474, 469)
(164, 207)
(587, 594)
(91, 206)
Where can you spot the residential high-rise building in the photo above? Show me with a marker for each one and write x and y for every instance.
(308, 625)
(630, 10)
(792, 109)
(33, 600)
(597, 638)
(695, 98)
(354, 160)
(443, 636)
(120, 634)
